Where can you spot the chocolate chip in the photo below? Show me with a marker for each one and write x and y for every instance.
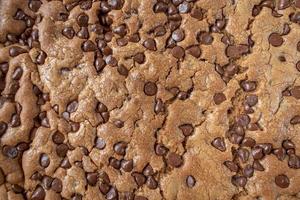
(159, 31)
(101, 107)
(15, 120)
(293, 121)
(161, 150)
(267, 148)
(38, 194)
(4, 67)
(248, 171)
(40, 59)
(243, 154)
(197, 13)
(219, 98)
(120, 148)
(251, 100)
(282, 181)
(148, 170)
(194, 51)
(186, 129)
(139, 178)
(184, 7)
(178, 52)
(190, 181)
(235, 138)
(257, 166)
(127, 165)
(61, 150)
(280, 153)
(115, 163)
(122, 42)
(17, 73)
(174, 160)
(112, 193)
(36, 176)
(150, 44)
(83, 33)
(160, 7)
(76, 197)
(178, 35)
(298, 66)
(3, 128)
(120, 30)
(10, 151)
(99, 64)
(150, 88)
(56, 185)
(112, 61)
(22, 146)
(288, 144)
(231, 166)
(82, 20)
(47, 180)
(86, 5)
(236, 51)
(65, 163)
(295, 92)
(283, 4)
(151, 183)
(158, 107)
(68, 32)
(275, 39)
(34, 5)
(72, 106)
(15, 51)
(88, 46)
(100, 143)
(219, 144)
(2, 177)
(20, 15)
(286, 29)
(92, 178)
(182, 95)
(239, 181)
(290, 151)
(58, 138)
(294, 161)
(104, 188)
(115, 4)
(248, 86)
(44, 160)
(119, 123)
(205, 38)
(139, 58)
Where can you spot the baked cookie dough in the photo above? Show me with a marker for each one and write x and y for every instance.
(150, 99)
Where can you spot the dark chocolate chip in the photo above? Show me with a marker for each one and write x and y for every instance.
(34, 5)
(288, 144)
(148, 170)
(151, 183)
(119, 123)
(40, 59)
(219, 98)
(294, 161)
(295, 92)
(44, 160)
(186, 129)
(293, 121)
(15, 51)
(92, 178)
(243, 154)
(127, 165)
(236, 51)
(184, 7)
(283, 4)
(86, 5)
(17, 73)
(248, 86)
(120, 148)
(82, 20)
(99, 64)
(231, 166)
(280, 153)
(219, 144)
(194, 51)
(65, 163)
(174, 160)
(239, 181)
(258, 166)
(197, 13)
(120, 30)
(178, 35)
(115, 163)
(159, 31)
(56, 185)
(275, 39)
(139, 178)
(83, 33)
(88, 46)
(150, 44)
(205, 38)
(61, 150)
(68, 32)
(72, 106)
(38, 194)
(3, 128)
(248, 171)
(160, 149)
(150, 88)
(282, 181)
(112, 194)
(139, 58)
(178, 52)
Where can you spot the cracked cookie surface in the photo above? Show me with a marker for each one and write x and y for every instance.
(149, 99)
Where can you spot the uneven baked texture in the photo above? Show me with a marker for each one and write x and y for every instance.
(150, 99)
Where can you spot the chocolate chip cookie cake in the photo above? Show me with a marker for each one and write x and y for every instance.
(150, 99)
